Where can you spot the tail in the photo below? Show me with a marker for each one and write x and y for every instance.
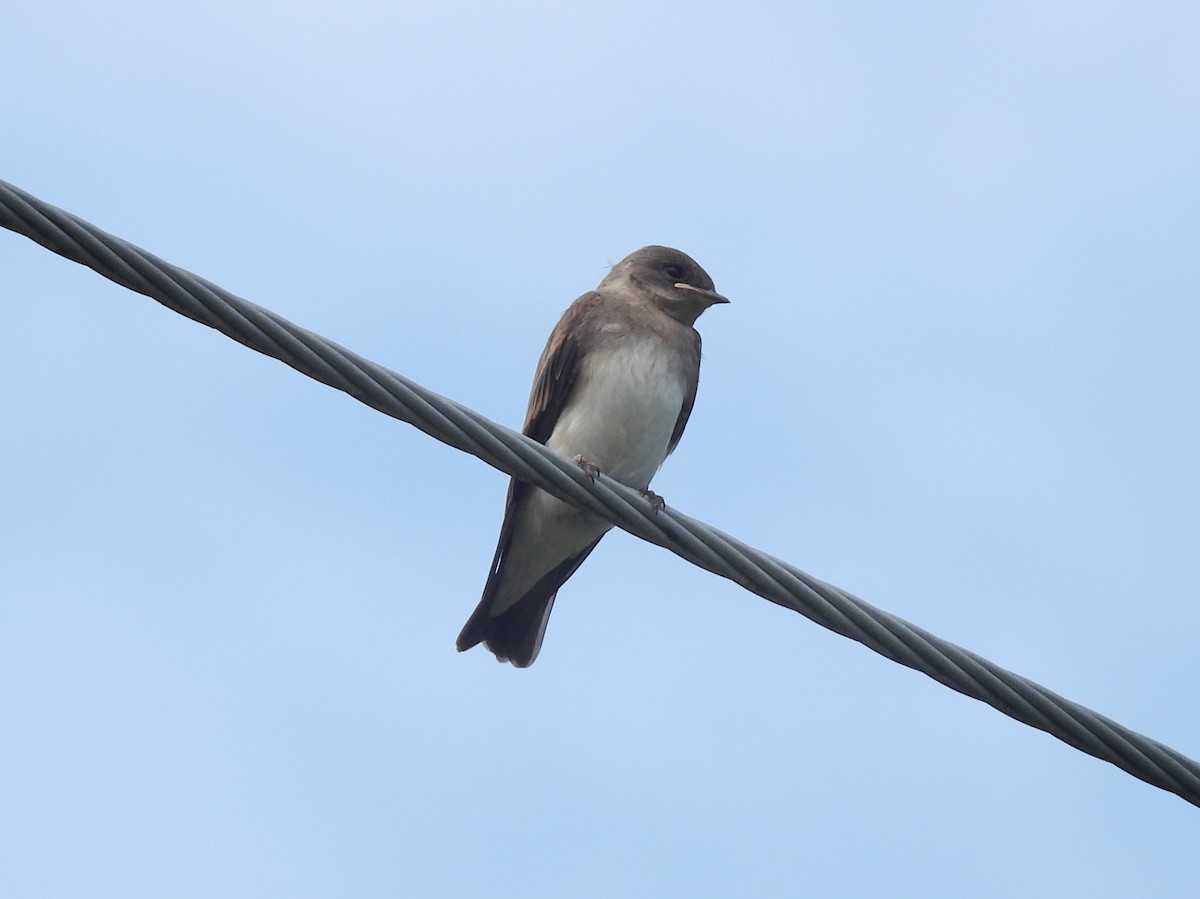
(515, 635)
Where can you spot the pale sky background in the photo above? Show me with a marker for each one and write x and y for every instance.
(959, 377)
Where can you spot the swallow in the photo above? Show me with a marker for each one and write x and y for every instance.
(613, 390)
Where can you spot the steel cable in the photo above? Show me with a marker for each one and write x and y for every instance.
(521, 457)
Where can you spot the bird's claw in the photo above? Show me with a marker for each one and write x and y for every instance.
(656, 502)
(589, 468)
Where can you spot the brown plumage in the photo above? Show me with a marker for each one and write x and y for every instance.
(615, 384)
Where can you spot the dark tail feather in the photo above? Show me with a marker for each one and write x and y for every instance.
(516, 634)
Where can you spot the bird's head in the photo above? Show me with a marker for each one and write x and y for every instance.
(672, 280)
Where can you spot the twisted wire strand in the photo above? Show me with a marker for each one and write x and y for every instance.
(519, 456)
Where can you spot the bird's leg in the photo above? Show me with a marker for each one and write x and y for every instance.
(656, 502)
(589, 468)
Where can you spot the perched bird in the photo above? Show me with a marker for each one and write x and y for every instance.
(613, 390)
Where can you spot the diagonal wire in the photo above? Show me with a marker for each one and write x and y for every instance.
(513, 453)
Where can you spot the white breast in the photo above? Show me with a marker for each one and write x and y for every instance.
(622, 411)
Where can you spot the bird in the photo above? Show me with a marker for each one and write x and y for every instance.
(613, 390)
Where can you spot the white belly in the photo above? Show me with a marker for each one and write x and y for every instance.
(622, 412)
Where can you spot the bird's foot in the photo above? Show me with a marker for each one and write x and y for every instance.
(656, 502)
(589, 468)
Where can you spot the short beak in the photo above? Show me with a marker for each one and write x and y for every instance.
(713, 296)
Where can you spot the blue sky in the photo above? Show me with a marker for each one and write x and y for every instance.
(958, 377)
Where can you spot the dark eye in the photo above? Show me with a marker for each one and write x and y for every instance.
(674, 271)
